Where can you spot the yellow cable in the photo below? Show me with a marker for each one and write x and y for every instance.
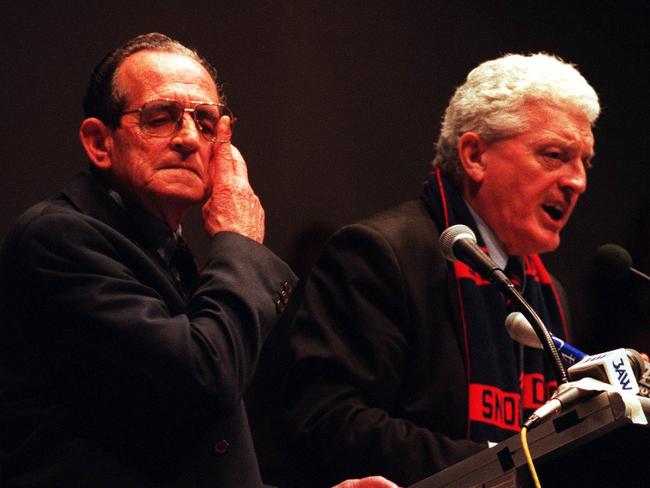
(529, 459)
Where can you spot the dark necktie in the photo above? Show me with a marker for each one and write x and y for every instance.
(515, 272)
(184, 267)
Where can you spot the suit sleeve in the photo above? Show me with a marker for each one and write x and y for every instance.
(98, 315)
(350, 347)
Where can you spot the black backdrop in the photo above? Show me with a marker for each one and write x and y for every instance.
(338, 102)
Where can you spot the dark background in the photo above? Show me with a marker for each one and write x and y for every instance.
(339, 104)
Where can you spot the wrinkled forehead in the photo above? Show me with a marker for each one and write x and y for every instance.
(567, 121)
(148, 74)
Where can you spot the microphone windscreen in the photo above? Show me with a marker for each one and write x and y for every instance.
(521, 331)
(449, 237)
(612, 261)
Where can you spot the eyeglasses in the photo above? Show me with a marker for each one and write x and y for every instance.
(162, 118)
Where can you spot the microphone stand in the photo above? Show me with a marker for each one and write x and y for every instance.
(640, 274)
(505, 285)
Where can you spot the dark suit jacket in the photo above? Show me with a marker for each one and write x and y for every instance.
(107, 376)
(378, 381)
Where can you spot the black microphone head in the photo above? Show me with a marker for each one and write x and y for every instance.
(449, 237)
(612, 261)
(637, 362)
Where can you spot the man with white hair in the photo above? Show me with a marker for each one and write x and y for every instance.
(401, 361)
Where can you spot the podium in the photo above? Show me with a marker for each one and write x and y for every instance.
(594, 444)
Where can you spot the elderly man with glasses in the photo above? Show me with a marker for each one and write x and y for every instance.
(122, 364)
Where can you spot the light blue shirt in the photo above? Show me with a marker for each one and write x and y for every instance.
(494, 247)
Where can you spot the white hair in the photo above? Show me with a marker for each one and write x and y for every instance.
(491, 99)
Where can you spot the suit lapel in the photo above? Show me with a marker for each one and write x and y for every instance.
(89, 196)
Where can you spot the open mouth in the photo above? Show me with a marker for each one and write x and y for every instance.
(555, 212)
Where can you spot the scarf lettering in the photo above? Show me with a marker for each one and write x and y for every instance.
(493, 406)
(535, 390)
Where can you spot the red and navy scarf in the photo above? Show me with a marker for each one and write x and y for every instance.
(506, 381)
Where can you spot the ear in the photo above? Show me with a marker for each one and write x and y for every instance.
(96, 139)
(470, 153)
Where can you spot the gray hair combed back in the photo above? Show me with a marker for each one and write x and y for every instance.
(103, 98)
(491, 99)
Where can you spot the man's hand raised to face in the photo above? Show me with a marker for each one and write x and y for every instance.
(232, 206)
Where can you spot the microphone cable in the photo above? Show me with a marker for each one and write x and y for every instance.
(528, 457)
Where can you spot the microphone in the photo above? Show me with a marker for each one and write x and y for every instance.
(458, 243)
(566, 395)
(615, 370)
(598, 366)
(615, 262)
(620, 368)
(521, 331)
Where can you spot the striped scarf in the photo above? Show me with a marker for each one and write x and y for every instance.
(506, 381)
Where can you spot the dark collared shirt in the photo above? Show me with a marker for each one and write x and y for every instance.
(157, 234)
